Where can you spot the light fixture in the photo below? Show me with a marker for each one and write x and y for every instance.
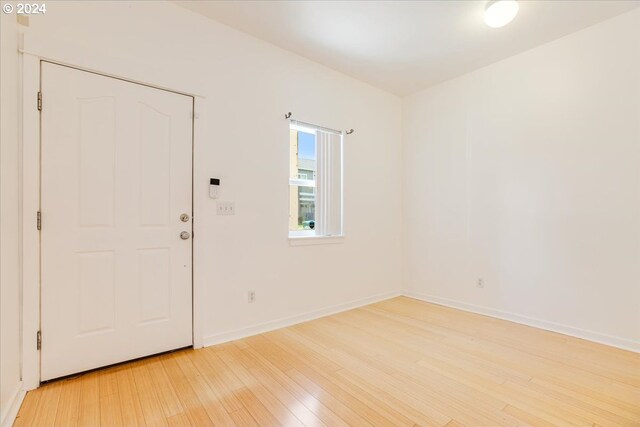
(499, 13)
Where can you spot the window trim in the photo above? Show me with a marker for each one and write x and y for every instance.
(295, 234)
(309, 128)
(304, 237)
(315, 240)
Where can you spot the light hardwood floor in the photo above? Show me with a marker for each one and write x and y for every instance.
(400, 362)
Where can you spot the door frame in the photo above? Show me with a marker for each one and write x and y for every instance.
(30, 139)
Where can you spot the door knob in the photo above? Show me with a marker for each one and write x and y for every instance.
(185, 235)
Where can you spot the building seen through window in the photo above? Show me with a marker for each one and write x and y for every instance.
(303, 171)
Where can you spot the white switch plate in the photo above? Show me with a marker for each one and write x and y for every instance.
(226, 208)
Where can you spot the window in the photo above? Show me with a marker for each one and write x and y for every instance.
(315, 181)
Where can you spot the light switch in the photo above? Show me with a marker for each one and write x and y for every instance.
(226, 208)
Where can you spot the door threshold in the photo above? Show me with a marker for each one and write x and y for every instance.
(102, 368)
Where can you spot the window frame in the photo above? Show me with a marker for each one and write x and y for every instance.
(303, 237)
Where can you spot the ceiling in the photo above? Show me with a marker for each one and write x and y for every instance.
(405, 46)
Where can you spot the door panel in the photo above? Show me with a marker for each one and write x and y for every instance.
(116, 175)
(154, 285)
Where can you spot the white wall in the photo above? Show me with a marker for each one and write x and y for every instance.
(9, 218)
(249, 85)
(527, 173)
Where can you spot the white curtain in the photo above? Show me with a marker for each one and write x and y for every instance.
(329, 184)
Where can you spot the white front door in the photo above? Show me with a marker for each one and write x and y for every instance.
(116, 178)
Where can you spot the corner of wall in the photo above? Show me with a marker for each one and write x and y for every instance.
(12, 407)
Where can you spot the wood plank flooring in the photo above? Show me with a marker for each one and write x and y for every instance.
(400, 362)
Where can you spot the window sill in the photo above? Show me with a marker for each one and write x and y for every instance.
(314, 240)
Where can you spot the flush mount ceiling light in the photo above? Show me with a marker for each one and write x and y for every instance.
(499, 13)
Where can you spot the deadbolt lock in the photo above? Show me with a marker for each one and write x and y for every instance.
(184, 217)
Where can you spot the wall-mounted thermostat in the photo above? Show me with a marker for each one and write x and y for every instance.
(214, 187)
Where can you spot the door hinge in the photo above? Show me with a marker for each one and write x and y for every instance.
(39, 101)
(38, 340)
(39, 220)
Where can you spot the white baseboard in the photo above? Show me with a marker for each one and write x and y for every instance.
(292, 320)
(10, 411)
(623, 343)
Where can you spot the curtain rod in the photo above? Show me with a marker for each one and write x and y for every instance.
(288, 116)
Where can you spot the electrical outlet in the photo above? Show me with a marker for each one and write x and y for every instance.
(226, 208)
(480, 283)
(251, 297)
